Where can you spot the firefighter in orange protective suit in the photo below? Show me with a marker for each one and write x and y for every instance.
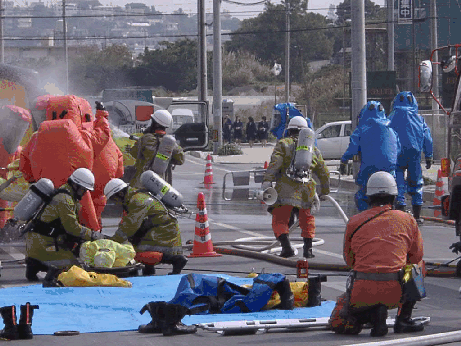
(378, 243)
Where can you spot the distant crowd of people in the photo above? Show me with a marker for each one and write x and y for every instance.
(234, 131)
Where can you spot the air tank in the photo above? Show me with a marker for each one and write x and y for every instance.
(164, 153)
(161, 189)
(38, 194)
(304, 150)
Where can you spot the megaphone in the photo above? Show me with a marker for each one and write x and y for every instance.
(268, 196)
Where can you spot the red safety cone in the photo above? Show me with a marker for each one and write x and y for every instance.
(266, 164)
(208, 171)
(203, 246)
(439, 192)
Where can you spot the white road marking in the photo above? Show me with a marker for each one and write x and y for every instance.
(14, 252)
(253, 234)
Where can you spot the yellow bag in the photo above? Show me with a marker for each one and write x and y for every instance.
(106, 253)
(300, 292)
(77, 277)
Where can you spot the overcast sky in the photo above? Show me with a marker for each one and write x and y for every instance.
(238, 11)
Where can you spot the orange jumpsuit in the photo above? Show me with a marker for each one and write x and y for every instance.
(383, 245)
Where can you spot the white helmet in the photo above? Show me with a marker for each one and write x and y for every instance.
(83, 177)
(113, 186)
(381, 183)
(162, 117)
(297, 123)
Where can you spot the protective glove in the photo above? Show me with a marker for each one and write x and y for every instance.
(100, 106)
(265, 185)
(455, 247)
(428, 163)
(343, 168)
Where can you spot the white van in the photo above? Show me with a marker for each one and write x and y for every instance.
(333, 139)
(181, 116)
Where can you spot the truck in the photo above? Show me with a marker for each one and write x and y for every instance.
(130, 110)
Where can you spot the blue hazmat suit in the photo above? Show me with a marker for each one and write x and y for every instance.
(415, 137)
(279, 123)
(377, 144)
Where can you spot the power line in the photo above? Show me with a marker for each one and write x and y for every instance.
(245, 4)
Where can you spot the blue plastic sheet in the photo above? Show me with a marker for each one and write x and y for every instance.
(111, 309)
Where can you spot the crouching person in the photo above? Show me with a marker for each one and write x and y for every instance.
(56, 234)
(378, 243)
(148, 225)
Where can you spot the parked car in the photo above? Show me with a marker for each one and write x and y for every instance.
(333, 139)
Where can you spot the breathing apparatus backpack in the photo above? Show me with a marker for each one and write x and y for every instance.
(163, 156)
(31, 207)
(163, 191)
(302, 157)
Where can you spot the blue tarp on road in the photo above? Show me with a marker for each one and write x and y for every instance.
(110, 309)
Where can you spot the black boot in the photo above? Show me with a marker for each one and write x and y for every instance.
(378, 321)
(148, 270)
(34, 266)
(287, 299)
(25, 321)
(51, 278)
(178, 262)
(417, 213)
(404, 323)
(307, 249)
(153, 326)
(314, 292)
(287, 250)
(172, 316)
(10, 332)
(400, 207)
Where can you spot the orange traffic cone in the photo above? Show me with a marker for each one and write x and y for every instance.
(203, 246)
(208, 171)
(439, 192)
(266, 165)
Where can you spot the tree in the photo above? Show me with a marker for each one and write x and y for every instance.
(372, 11)
(98, 70)
(174, 67)
(264, 37)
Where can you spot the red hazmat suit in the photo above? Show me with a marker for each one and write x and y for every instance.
(15, 122)
(60, 146)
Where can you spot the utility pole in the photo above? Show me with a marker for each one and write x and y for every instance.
(217, 77)
(287, 51)
(434, 44)
(202, 55)
(358, 68)
(390, 35)
(66, 58)
(2, 48)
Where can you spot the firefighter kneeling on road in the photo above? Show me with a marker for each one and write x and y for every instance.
(293, 161)
(148, 225)
(378, 243)
(56, 234)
